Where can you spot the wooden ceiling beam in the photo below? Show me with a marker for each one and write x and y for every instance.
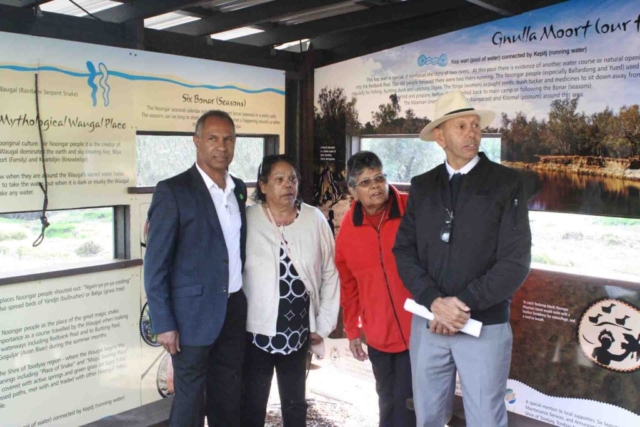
(85, 30)
(23, 3)
(349, 21)
(510, 7)
(249, 16)
(143, 9)
(352, 44)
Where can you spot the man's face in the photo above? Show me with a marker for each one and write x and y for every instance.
(215, 144)
(460, 138)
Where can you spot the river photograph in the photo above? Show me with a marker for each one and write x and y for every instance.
(573, 192)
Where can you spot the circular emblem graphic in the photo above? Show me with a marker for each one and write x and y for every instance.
(609, 335)
(510, 396)
(145, 327)
(164, 380)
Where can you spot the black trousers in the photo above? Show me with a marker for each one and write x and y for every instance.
(208, 379)
(393, 384)
(257, 374)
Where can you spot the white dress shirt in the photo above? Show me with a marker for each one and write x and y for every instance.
(231, 224)
(465, 169)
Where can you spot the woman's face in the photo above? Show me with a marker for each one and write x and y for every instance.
(282, 186)
(372, 189)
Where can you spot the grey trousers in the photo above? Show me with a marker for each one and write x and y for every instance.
(483, 364)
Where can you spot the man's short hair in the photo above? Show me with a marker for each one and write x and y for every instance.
(214, 113)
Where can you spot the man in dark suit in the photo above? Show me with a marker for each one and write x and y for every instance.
(193, 277)
(463, 249)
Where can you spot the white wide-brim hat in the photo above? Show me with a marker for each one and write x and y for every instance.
(452, 105)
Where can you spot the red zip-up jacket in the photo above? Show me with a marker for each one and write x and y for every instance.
(371, 292)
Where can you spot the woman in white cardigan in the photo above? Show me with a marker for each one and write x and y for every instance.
(292, 290)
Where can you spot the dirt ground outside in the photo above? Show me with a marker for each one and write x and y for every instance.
(340, 391)
(335, 399)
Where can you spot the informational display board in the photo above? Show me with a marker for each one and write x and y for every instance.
(77, 349)
(92, 100)
(69, 349)
(576, 351)
(564, 82)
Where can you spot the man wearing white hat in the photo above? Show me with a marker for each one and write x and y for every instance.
(463, 248)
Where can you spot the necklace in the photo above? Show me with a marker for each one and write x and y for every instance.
(278, 224)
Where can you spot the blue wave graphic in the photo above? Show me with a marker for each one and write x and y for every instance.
(432, 60)
(190, 86)
(104, 75)
(45, 68)
(91, 83)
(103, 83)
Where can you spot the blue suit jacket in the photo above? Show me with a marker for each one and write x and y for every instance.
(186, 266)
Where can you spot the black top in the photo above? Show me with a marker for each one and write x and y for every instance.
(292, 327)
(489, 254)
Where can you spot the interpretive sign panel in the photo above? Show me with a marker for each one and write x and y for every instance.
(91, 100)
(564, 82)
(63, 337)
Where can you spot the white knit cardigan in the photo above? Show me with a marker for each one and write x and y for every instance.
(311, 245)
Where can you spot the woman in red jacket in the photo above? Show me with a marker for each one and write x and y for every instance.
(372, 294)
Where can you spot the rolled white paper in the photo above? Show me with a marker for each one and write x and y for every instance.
(472, 327)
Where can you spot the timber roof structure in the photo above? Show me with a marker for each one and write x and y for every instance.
(280, 34)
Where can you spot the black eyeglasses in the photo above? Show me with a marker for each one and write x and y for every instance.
(445, 232)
